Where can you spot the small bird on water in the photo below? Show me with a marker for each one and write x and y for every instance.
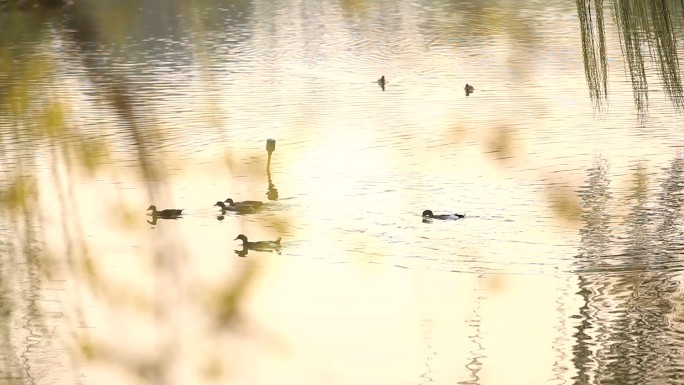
(259, 245)
(253, 204)
(469, 89)
(237, 209)
(166, 213)
(382, 82)
(429, 214)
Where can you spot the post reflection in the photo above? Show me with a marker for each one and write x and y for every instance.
(272, 191)
(426, 328)
(476, 351)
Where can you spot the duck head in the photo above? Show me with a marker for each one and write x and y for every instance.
(152, 207)
(242, 237)
(428, 214)
(220, 204)
(229, 201)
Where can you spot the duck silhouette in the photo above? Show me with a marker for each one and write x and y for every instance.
(166, 213)
(468, 89)
(237, 209)
(254, 204)
(428, 214)
(382, 82)
(258, 245)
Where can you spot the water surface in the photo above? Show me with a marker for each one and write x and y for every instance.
(565, 269)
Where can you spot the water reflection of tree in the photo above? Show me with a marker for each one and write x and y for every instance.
(636, 338)
(651, 233)
(642, 24)
(595, 234)
(477, 350)
(623, 334)
(639, 232)
(670, 203)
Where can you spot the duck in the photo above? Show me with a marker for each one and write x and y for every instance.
(237, 209)
(381, 82)
(166, 213)
(254, 204)
(259, 245)
(429, 214)
(468, 88)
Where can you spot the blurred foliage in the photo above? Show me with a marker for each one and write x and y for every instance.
(38, 131)
(32, 4)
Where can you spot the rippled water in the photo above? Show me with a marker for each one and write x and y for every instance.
(566, 267)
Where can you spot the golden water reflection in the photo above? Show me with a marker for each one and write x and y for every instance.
(554, 275)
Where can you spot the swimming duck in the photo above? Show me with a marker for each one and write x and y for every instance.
(259, 245)
(382, 81)
(237, 209)
(166, 213)
(429, 214)
(469, 88)
(253, 204)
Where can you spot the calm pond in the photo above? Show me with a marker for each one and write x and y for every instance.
(567, 160)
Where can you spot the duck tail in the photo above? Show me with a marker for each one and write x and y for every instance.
(277, 242)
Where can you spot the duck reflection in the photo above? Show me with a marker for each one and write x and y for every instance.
(245, 250)
(242, 252)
